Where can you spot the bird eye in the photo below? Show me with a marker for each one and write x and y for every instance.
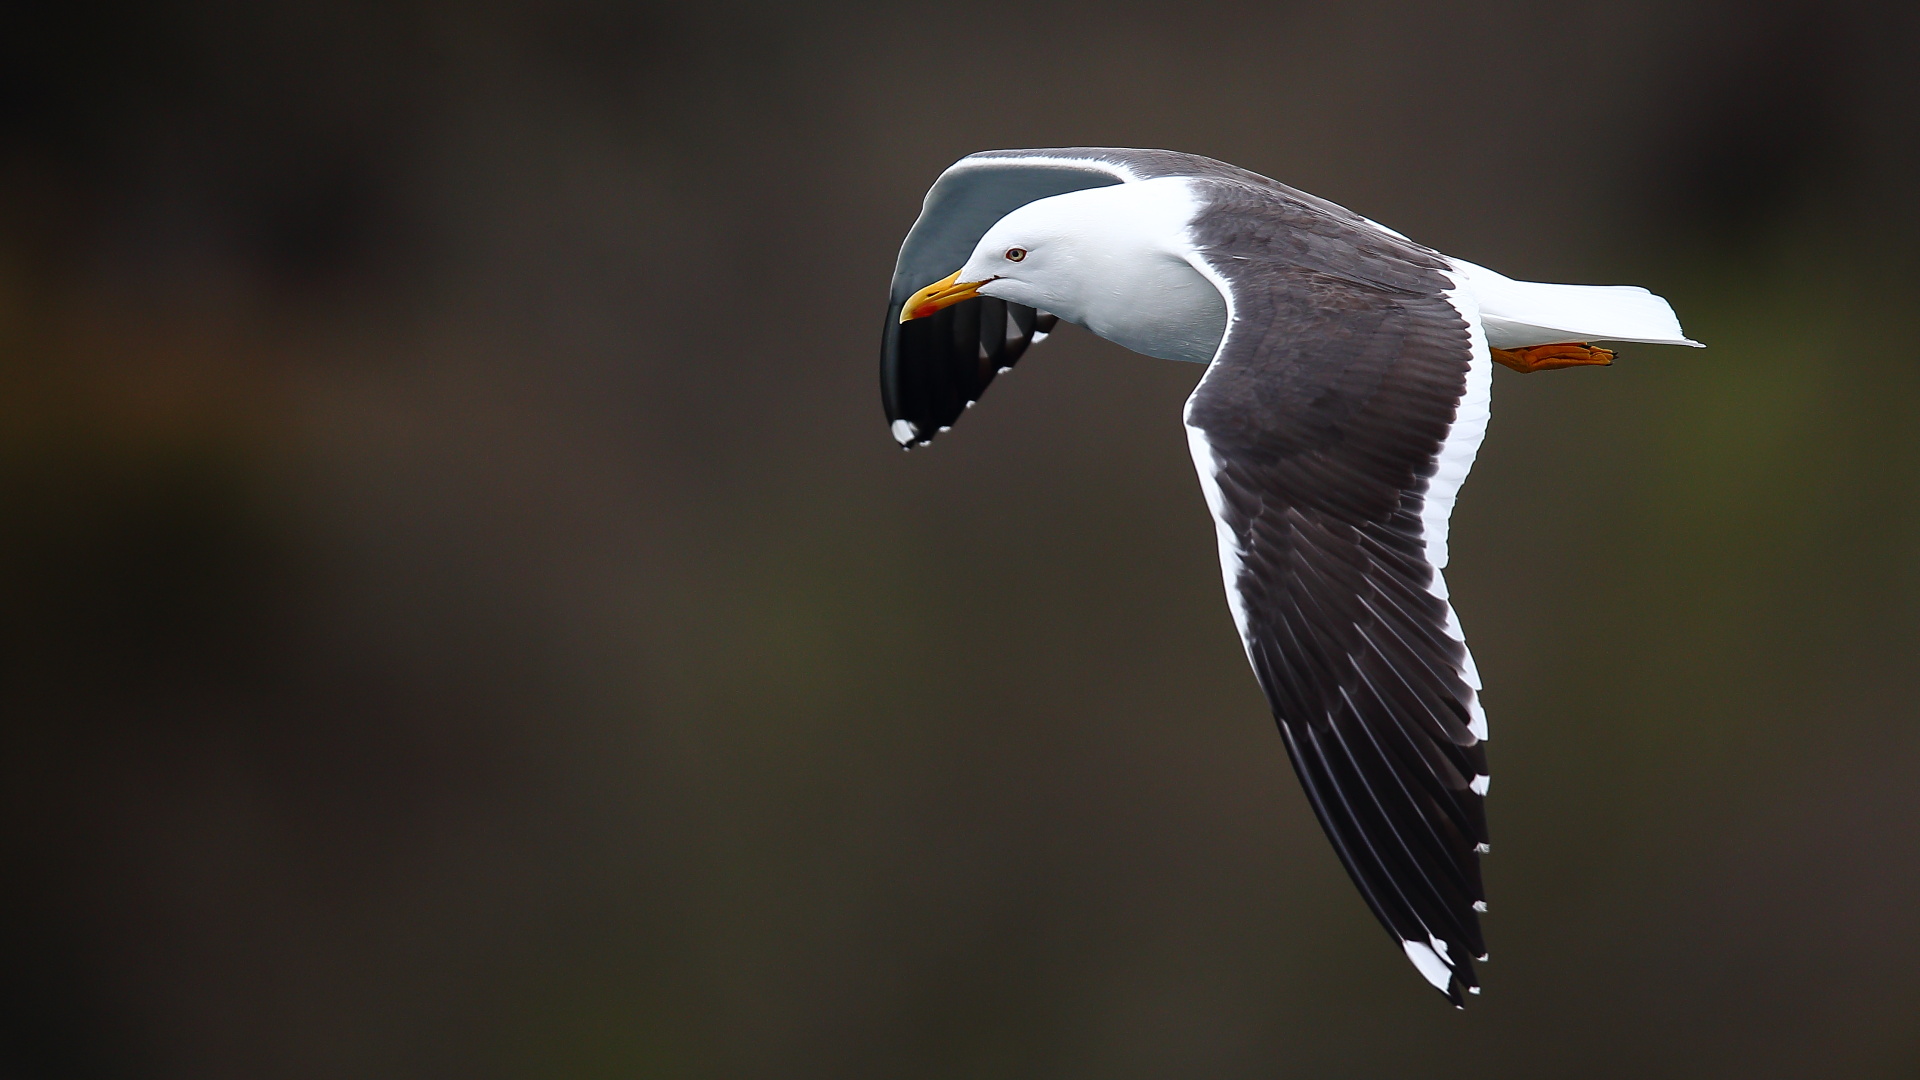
(1016, 254)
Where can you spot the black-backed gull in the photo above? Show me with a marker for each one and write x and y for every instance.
(1345, 396)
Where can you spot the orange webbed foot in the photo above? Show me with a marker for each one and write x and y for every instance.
(1552, 357)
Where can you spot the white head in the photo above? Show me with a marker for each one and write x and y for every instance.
(1117, 260)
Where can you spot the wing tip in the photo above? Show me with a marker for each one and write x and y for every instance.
(1430, 959)
(1428, 962)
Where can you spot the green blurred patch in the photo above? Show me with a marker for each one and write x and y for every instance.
(589, 1037)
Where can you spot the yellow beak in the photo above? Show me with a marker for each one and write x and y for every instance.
(944, 293)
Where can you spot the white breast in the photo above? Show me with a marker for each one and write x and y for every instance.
(1159, 306)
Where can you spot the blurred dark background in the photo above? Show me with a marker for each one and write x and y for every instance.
(462, 614)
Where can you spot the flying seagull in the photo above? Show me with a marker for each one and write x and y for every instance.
(1345, 396)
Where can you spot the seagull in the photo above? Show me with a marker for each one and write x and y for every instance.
(1345, 396)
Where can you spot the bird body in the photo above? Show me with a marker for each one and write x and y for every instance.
(1345, 398)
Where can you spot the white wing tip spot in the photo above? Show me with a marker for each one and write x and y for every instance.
(1480, 906)
(904, 432)
(1429, 964)
(1482, 849)
(1479, 784)
(1473, 989)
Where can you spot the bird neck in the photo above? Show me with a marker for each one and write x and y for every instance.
(1152, 302)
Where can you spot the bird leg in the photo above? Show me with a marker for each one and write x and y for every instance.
(1549, 357)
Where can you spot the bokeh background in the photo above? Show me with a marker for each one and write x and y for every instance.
(462, 615)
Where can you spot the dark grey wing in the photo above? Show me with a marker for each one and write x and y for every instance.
(1331, 433)
(934, 369)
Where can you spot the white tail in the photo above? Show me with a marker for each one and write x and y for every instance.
(1521, 313)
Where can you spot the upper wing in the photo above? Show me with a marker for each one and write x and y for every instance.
(1331, 433)
(932, 369)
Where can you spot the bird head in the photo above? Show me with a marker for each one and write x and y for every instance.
(1113, 259)
(1020, 259)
